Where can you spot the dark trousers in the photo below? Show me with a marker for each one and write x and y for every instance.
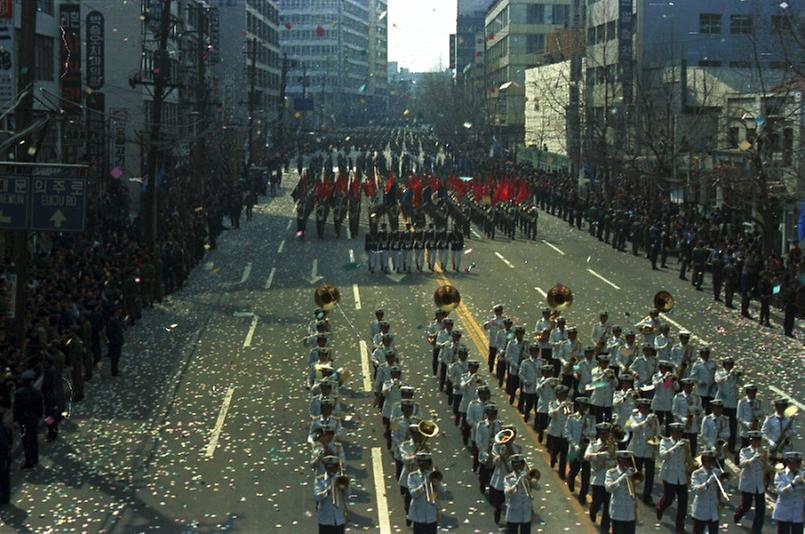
(435, 361)
(331, 529)
(406, 499)
(731, 413)
(518, 528)
(558, 448)
(512, 383)
(500, 372)
(785, 527)
(760, 509)
(575, 467)
(484, 475)
(699, 526)
(541, 423)
(600, 502)
(623, 527)
(692, 439)
(442, 375)
(456, 403)
(678, 492)
(497, 499)
(425, 528)
(493, 351)
(648, 472)
(114, 355)
(526, 404)
(5, 480)
(30, 442)
(665, 419)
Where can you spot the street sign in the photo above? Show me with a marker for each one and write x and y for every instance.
(58, 204)
(14, 202)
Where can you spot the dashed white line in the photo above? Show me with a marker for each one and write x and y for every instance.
(282, 246)
(288, 226)
(357, 295)
(349, 234)
(351, 256)
(367, 376)
(219, 424)
(247, 271)
(693, 336)
(476, 234)
(541, 292)
(250, 335)
(554, 247)
(793, 401)
(504, 260)
(602, 278)
(380, 492)
(270, 277)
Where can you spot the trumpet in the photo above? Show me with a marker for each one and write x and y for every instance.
(567, 408)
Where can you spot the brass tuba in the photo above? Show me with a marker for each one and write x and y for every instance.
(663, 301)
(327, 297)
(446, 298)
(560, 297)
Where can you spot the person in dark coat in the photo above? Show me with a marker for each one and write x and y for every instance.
(115, 340)
(6, 441)
(50, 383)
(28, 411)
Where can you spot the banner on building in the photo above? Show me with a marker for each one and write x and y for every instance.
(95, 50)
(8, 60)
(214, 18)
(70, 45)
(96, 137)
(119, 118)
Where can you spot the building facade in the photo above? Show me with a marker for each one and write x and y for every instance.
(377, 90)
(469, 36)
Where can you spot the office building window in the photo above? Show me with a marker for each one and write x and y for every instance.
(535, 44)
(709, 23)
(741, 24)
(561, 14)
(43, 58)
(612, 30)
(535, 14)
(709, 63)
(45, 6)
(740, 64)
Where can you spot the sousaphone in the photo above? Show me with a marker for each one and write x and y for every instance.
(559, 297)
(446, 298)
(663, 301)
(327, 297)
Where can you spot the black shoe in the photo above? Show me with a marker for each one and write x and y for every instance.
(648, 501)
(27, 466)
(658, 512)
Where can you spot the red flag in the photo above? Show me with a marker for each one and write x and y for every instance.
(341, 184)
(434, 184)
(369, 188)
(389, 184)
(523, 193)
(416, 186)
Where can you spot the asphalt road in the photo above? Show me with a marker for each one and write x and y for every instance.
(205, 431)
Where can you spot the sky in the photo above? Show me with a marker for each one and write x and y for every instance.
(419, 33)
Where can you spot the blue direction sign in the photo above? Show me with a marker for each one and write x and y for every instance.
(58, 204)
(14, 202)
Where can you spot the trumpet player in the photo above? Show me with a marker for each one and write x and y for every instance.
(727, 380)
(443, 338)
(379, 354)
(326, 392)
(777, 430)
(542, 330)
(602, 388)
(435, 328)
(583, 371)
(424, 486)
(559, 336)
(518, 487)
(546, 392)
(485, 433)
(326, 417)
(645, 427)
(662, 343)
(579, 431)
(627, 352)
(703, 372)
(406, 393)
(408, 450)
(686, 409)
(754, 463)
(383, 374)
(514, 354)
(676, 457)
(447, 355)
(468, 386)
(493, 326)
(601, 329)
(619, 485)
(644, 366)
(374, 325)
(384, 330)
(474, 415)
(502, 451)
(455, 371)
(331, 497)
(400, 426)
(529, 374)
(715, 431)
(665, 387)
(749, 413)
(504, 337)
(623, 400)
(558, 411)
(681, 354)
(705, 483)
(391, 395)
(790, 486)
(601, 455)
(325, 446)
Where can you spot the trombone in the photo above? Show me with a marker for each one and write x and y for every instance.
(431, 492)
(338, 485)
(529, 479)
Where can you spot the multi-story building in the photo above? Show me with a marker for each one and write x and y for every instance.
(249, 35)
(377, 89)
(469, 40)
(327, 43)
(515, 32)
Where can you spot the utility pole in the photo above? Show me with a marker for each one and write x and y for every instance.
(161, 77)
(23, 119)
(252, 78)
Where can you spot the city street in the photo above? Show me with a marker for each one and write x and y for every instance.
(205, 430)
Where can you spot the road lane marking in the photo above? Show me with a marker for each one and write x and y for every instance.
(367, 376)
(288, 226)
(314, 272)
(787, 396)
(351, 256)
(504, 260)
(270, 277)
(248, 341)
(541, 292)
(476, 334)
(476, 234)
(282, 246)
(602, 278)
(554, 247)
(380, 492)
(680, 327)
(356, 293)
(349, 234)
(247, 271)
(219, 424)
